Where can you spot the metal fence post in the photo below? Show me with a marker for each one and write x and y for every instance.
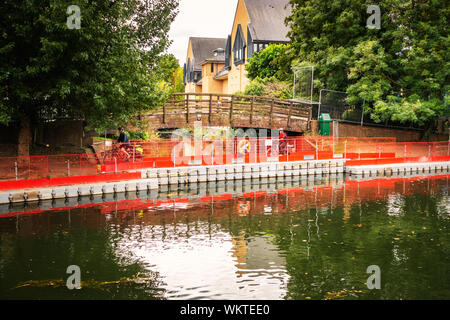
(345, 149)
(212, 153)
(287, 152)
(362, 113)
(320, 104)
(317, 151)
(312, 86)
(16, 170)
(293, 88)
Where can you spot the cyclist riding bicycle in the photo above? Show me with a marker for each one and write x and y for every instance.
(124, 143)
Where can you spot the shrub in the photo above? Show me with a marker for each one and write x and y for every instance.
(269, 87)
(255, 88)
(138, 135)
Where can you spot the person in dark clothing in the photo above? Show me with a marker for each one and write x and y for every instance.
(282, 138)
(123, 138)
(124, 142)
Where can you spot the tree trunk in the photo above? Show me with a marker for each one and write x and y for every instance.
(428, 130)
(23, 145)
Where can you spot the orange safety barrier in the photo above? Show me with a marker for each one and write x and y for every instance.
(62, 181)
(165, 153)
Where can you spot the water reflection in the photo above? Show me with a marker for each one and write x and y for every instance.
(290, 242)
(195, 262)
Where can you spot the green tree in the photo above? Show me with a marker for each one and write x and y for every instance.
(408, 57)
(171, 73)
(103, 72)
(273, 61)
(178, 85)
(167, 66)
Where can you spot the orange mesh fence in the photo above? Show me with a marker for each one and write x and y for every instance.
(190, 152)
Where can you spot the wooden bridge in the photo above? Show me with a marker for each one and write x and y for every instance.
(183, 109)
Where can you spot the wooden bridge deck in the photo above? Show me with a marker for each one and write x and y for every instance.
(183, 109)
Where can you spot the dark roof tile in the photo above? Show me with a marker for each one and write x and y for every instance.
(202, 48)
(267, 19)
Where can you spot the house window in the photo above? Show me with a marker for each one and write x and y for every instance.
(228, 52)
(239, 47)
(212, 67)
(188, 71)
(249, 44)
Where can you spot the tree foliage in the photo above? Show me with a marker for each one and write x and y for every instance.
(401, 71)
(167, 66)
(171, 73)
(103, 72)
(272, 61)
(268, 87)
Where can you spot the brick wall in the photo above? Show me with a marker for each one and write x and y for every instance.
(62, 137)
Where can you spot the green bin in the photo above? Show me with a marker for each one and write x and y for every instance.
(324, 124)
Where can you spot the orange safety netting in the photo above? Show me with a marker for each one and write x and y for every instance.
(190, 152)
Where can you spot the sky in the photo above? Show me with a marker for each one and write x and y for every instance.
(200, 18)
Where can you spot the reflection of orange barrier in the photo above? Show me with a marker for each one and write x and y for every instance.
(243, 207)
(282, 201)
(396, 160)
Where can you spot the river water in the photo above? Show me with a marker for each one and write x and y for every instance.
(283, 241)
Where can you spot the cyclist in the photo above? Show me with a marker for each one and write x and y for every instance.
(124, 143)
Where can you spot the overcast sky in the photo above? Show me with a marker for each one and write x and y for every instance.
(200, 18)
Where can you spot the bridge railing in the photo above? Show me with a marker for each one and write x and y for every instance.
(183, 109)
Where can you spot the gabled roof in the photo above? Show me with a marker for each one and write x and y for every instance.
(222, 73)
(202, 49)
(267, 19)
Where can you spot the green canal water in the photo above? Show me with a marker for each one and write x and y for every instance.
(292, 244)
